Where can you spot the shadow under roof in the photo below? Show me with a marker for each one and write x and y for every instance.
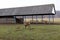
(48, 9)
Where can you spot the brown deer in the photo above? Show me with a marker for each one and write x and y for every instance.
(27, 24)
(45, 21)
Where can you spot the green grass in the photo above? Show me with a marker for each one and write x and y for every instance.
(38, 32)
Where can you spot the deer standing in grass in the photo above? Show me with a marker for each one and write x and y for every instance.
(27, 24)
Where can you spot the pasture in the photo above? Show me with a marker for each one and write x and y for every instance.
(37, 32)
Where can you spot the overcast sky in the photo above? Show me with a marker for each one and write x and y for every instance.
(20, 3)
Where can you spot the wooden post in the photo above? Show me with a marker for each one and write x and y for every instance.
(15, 18)
(53, 18)
(49, 19)
(32, 18)
(42, 18)
(36, 19)
(25, 18)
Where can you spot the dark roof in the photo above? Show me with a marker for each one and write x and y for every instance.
(30, 10)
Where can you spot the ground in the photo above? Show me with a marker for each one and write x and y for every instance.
(37, 32)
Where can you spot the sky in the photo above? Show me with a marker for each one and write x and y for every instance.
(22, 3)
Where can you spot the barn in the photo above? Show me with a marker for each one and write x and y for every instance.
(19, 14)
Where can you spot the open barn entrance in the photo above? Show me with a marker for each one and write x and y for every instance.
(45, 19)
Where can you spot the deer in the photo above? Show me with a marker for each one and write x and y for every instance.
(45, 21)
(27, 24)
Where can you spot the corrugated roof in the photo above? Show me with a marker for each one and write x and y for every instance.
(30, 10)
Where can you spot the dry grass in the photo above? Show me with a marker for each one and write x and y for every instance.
(56, 20)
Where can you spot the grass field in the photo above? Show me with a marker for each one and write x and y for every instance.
(37, 32)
